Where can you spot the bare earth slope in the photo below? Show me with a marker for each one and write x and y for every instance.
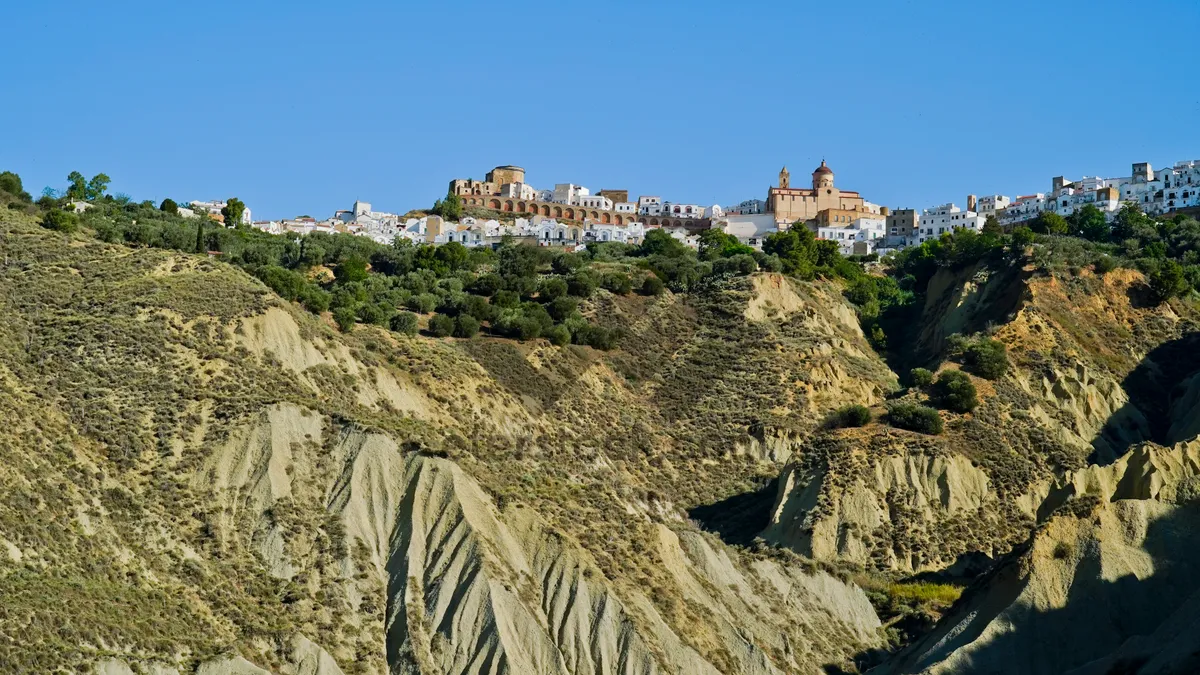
(199, 477)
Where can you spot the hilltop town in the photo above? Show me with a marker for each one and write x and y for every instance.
(505, 205)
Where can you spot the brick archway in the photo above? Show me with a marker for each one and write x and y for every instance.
(596, 215)
(508, 205)
(570, 214)
(494, 204)
(620, 220)
(654, 222)
(606, 219)
(557, 212)
(545, 210)
(521, 207)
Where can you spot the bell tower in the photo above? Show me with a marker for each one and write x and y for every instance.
(785, 178)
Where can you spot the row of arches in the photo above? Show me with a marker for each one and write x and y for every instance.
(665, 222)
(551, 210)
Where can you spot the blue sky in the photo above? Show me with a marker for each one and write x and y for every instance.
(301, 107)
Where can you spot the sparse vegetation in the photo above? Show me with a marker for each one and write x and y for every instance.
(915, 418)
(987, 359)
(955, 392)
(920, 377)
(849, 416)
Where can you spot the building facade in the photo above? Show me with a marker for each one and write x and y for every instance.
(946, 218)
(650, 206)
(902, 225)
(792, 205)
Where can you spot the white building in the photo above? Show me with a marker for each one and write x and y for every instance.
(682, 210)
(991, 205)
(596, 202)
(650, 206)
(214, 208)
(946, 218)
(569, 193)
(715, 211)
(750, 229)
(625, 207)
(518, 191)
(1069, 199)
(1024, 207)
(1165, 190)
(859, 237)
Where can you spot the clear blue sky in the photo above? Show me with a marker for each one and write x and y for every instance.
(301, 107)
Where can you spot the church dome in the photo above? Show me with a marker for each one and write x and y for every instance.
(823, 168)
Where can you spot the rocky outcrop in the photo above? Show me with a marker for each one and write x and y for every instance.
(1108, 584)
(906, 510)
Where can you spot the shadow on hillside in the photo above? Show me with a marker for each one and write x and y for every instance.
(1154, 388)
(954, 302)
(1140, 296)
(1097, 618)
(737, 520)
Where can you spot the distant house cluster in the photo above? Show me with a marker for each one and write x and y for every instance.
(386, 228)
(504, 189)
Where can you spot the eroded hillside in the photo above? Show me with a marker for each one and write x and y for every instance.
(199, 475)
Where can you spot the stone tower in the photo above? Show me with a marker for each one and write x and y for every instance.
(822, 177)
(785, 178)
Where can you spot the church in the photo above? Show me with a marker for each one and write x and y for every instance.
(822, 204)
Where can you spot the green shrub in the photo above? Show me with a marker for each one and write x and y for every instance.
(315, 300)
(617, 282)
(561, 308)
(345, 318)
(596, 336)
(375, 313)
(581, 284)
(1167, 281)
(652, 285)
(465, 326)
(915, 418)
(552, 288)
(479, 308)
(60, 221)
(987, 359)
(920, 377)
(506, 299)
(441, 325)
(566, 263)
(404, 322)
(487, 284)
(955, 392)
(559, 336)
(849, 416)
(1104, 264)
(956, 344)
(423, 303)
